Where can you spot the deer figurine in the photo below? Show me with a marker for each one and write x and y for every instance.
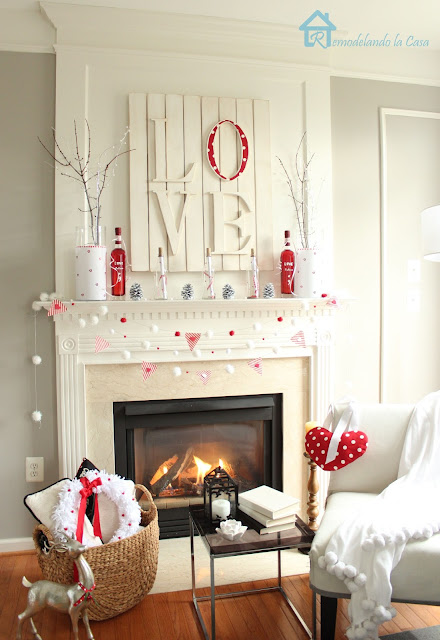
(72, 598)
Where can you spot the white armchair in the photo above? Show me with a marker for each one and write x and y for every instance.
(415, 579)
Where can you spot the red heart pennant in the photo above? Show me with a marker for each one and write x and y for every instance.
(352, 446)
(204, 376)
(192, 339)
(101, 344)
(56, 307)
(148, 368)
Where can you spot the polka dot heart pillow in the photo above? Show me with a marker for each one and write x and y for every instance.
(333, 451)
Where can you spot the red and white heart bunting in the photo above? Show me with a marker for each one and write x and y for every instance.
(101, 344)
(257, 365)
(148, 368)
(56, 307)
(299, 339)
(204, 376)
(192, 339)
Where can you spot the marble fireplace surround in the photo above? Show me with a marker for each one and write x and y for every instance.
(88, 382)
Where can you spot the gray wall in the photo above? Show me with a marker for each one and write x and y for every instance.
(27, 266)
(356, 208)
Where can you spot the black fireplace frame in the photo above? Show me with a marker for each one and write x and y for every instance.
(153, 414)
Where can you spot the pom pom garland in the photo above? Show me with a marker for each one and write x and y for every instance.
(331, 558)
(368, 605)
(36, 359)
(257, 326)
(103, 310)
(145, 344)
(94, 319)
(177, 371)
(53, 296)
(154, 328)
(350, 571)
(82, 323)
(36, 416)
(250, 344)
(44, 297)
(36, 306)
(209, 333)
(197, 353)
(176, 353)
(230, 368)
(126, 354)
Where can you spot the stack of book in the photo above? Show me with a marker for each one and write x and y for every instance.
(268, 510)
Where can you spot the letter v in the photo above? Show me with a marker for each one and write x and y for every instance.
(174, 233)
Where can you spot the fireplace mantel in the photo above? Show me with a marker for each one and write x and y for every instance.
(154, 331)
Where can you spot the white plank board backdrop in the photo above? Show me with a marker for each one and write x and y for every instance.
(177, 202)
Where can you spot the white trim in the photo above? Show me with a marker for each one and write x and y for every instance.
(27, 48)
(378, 77)
(15, 545)
(384, 112)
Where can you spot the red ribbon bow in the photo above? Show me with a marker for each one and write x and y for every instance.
(87, 595)
(85, 492)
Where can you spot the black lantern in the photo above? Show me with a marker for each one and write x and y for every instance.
(220, 495)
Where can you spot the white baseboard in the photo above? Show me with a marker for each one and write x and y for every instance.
(16, 544)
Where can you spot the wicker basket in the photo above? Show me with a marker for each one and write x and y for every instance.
(124, 570)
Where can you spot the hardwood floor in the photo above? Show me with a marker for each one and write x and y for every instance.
(171, 616)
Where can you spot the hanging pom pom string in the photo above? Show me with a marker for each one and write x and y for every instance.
(36, 415)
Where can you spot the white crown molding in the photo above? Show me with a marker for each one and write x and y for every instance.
(25, 32)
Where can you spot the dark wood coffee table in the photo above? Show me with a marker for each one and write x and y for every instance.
(251, 542)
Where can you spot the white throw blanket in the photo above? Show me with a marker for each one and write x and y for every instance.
(366, 548)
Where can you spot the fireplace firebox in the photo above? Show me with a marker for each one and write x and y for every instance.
(170, 445)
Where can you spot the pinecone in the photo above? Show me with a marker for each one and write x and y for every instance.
(136, 292)
(188, 291)
(228, 292)
(269, 291)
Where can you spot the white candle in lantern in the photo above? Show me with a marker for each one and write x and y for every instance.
(221, 508)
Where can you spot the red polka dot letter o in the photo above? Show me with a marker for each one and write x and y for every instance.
(243, 145)
(352, 446)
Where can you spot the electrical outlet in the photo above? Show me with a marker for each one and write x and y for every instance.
(34, 469)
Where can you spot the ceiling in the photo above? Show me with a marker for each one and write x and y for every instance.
(419, 19)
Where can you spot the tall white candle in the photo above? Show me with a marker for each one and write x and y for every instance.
(221, 508)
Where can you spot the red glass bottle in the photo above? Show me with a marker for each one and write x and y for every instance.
(117, 266)
(287, 260)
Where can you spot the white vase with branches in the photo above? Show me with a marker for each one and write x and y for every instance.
(92, 177)
(307, 281)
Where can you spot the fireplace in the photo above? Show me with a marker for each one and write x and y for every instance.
(170, 445)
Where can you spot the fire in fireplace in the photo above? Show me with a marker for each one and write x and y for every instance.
(169, 446)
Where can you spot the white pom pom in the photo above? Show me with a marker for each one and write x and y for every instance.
(36, 306)
(176, 353)
(305, 306)
(145, 344)
(368, 545)
(368, 605)
(369, 625)
(361, 579)
(293, 322)
(321, 562)
(36, 359)
(197, 353)
(350, 571)
(154, 328)
(351, 586)
(339, 570)
(36, 416)
(228, 351)
(331, 569)
(250, 344)
(44, 297)
(230, 368)
(276, 349)
(82, 323)
(393, 612)
(53, 296)
(400, 537)
(380, 611)
(379, 541)
(427, 532)
(177, 371)
(331, 558)
(360, 633)
(112, 331)
(94, 319)
(257, 326)
(126, 354)
(350, 633)
(209, 333)
(103, 310)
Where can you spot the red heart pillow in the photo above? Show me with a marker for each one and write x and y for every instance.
(352, 446)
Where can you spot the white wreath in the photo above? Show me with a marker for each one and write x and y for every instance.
(65, 514)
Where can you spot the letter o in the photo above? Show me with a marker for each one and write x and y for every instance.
(243, 145)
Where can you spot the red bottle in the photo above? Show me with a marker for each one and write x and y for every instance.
(117, 266)
(287, 260)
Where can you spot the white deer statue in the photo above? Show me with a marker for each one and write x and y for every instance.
(74, 599)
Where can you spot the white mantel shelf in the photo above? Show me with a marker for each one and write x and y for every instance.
(262, 327)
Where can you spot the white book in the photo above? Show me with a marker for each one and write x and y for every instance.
(276, 528)
(264, 520)
(270, 502)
